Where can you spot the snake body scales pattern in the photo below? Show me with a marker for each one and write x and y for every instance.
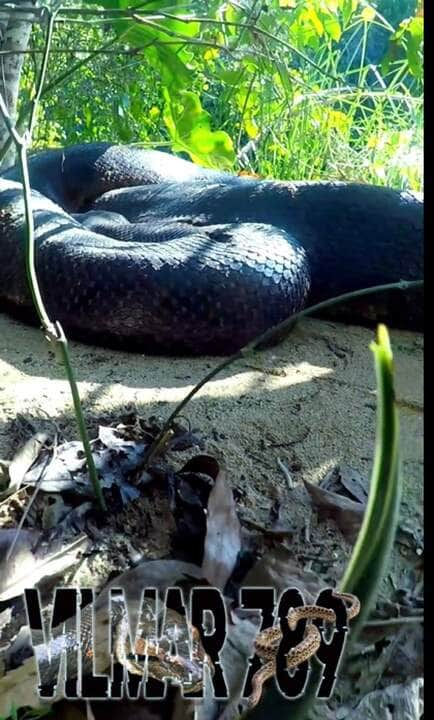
(185, 668)
(146, 251)
(267, 642)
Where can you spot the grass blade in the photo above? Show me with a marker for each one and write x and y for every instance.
(371, 552)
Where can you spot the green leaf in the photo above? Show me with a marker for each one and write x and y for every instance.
(371, 552)
(406, 42)
(171, 60)
(173, 71)
(315, 21)
(414, 46)
(189, 127)
(250, 125)
(331, 25)
(229, 77)
(348, 8)
(373, 547)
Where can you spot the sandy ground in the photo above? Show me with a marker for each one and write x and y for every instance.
(308, 403)
(305, 406)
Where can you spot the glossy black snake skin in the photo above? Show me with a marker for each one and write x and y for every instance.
(146, 251)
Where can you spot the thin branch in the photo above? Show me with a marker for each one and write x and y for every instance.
(43, 71)
(53, 331)
(149, 19)
(131, 14)
(243, 110)
(270, 335)
(25, 109)
(62, 345)
(31, 9)
(71, 51)
(255, 29)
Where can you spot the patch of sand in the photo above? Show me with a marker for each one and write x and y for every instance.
(308, 403)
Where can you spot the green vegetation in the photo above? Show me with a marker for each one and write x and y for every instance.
(28, 714)
(297, 90)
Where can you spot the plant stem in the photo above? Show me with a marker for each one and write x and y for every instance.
(53, 331)
(62, 344)
(273, 333)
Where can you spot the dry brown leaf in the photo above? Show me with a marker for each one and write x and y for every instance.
(346, 513)
(223, 534)
(22, 568)
(345, 480)
(277, 569)
(24, 459)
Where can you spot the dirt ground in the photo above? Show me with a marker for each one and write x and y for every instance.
(292, 412)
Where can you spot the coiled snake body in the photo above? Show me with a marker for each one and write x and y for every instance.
(148, 251)
(268, 641)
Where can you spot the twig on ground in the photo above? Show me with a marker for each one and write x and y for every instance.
(268, 336)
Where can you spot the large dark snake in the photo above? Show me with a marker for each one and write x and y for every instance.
(147, 251)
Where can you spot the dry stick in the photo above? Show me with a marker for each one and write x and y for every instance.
(131, 51)
(103, 51)
(131, 15)
(269, 335)
(46, 88)
(63, 77)
(73, 11)
(53, 331)
(150, 18)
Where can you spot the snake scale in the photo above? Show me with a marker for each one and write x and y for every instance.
(146, 251)
(268, 641)
(186, 667)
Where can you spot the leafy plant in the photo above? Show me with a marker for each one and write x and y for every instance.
(373, 547)
(280, 89)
